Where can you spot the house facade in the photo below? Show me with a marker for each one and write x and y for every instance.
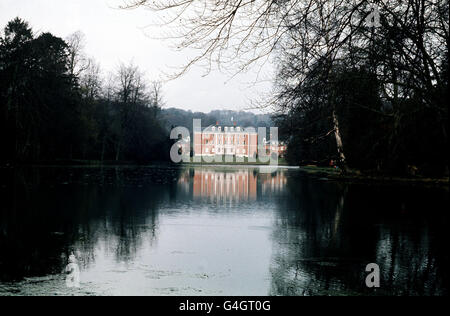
(226, 141)
(277, 147)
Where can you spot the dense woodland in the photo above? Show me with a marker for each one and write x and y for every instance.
(371, 97)
(362, 83)
(55, 104)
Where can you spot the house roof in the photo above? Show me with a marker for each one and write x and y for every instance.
(214, 129)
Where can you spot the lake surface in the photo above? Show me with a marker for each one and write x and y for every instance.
(217, 231)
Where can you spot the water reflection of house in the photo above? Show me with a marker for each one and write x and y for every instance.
(271, 183)
(225, 186)
(184, 182)
(231, 186)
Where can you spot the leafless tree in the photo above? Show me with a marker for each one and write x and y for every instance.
(78, 62)
(131, 84)
(156, 94)
(410, 62)
(242, 32)
(131, 92)
(91, 80)
(224, 31)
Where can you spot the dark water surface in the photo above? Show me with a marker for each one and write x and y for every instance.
(217, 231)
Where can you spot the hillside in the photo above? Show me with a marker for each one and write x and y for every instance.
(178, 117)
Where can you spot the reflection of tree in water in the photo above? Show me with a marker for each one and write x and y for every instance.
(326, 233)
(47, 214)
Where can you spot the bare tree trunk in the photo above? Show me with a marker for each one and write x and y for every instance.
(339, 143)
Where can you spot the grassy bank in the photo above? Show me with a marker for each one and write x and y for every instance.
(243, 162)
(79, 162)
(358, 176)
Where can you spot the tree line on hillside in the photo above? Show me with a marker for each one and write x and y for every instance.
(176, 117)
(56, 105)
(361, 83)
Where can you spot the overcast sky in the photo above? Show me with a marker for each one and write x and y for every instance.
(114, 35)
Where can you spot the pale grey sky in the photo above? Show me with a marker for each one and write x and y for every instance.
(114, 35)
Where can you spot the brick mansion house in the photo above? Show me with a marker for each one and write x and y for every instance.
(232, 141)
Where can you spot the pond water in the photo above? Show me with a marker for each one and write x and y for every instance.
(216, 231)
